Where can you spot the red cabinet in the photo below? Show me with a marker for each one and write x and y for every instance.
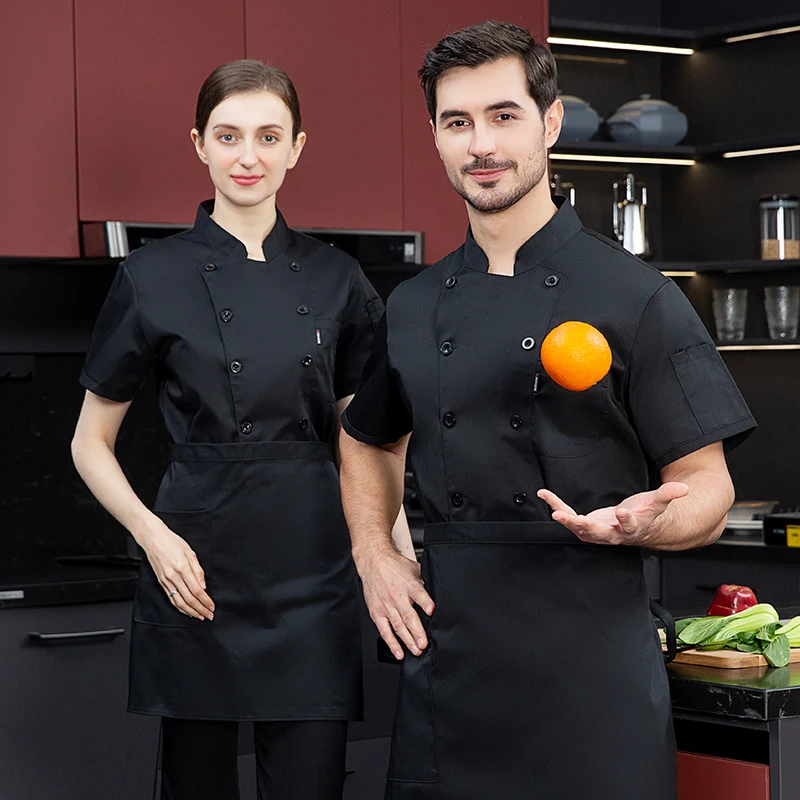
(38, 204)
(139, 68)
(709, 778)
(430, 203)
(344, 59)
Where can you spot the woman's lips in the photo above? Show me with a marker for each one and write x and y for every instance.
(246, 180)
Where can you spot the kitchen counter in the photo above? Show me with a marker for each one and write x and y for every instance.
(67, 580)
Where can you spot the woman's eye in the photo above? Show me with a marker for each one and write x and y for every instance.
(269, 138)
(226, 137)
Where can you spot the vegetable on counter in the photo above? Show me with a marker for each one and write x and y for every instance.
(755, 630)
(730, 599)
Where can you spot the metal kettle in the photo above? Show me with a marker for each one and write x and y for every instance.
(630, 225)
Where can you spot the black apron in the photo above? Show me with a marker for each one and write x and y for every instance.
(283, 643)
(543, 662)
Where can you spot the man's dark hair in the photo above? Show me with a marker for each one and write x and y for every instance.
(484, 43)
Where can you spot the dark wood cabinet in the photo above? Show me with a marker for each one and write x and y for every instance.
(139, 67)
(38, 204)
(66, 733)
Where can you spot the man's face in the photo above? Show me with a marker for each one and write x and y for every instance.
(490, 134)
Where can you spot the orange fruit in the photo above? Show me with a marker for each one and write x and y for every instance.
(576, 355)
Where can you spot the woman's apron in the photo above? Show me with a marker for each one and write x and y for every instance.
(544, 678)
(266, 522)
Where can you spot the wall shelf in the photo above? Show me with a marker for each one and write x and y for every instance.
(656, 36)
(759, 344)
(689, 268)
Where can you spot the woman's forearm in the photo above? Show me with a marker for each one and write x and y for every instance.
(98, 466)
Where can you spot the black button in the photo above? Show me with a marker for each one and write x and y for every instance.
(303, 423)
(209, 267)
(448, 420)
(246, 428)
(516, 422)
(451, 282)
(307, 361)
(528, 343)
(236, 367)
(551, 280)
(226, 315)
(294, 267)
(456, 499)
(446, 348)
(520, 498)
(302, 309)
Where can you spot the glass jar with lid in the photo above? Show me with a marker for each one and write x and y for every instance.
(780, 226)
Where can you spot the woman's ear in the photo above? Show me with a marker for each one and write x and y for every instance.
(297, 148)
(199, 145)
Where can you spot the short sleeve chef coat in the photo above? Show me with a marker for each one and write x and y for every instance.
(456, 359)
(284, 341)
(250, 358)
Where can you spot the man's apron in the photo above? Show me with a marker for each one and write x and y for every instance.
(544, 677)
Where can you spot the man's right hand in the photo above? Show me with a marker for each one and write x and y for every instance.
(392, 585)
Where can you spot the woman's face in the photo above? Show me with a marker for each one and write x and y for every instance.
(248, 147)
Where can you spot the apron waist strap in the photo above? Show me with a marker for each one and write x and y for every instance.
(506, 533)
(250, 451)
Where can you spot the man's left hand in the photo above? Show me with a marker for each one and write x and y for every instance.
(628, 523)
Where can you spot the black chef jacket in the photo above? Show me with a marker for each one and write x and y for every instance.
(249, 358)
(456, 358)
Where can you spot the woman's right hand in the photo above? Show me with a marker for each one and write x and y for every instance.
(178, 571)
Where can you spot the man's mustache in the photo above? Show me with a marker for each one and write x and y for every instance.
(486, 164)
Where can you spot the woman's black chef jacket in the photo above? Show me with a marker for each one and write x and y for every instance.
(544, 677)
(249, 358)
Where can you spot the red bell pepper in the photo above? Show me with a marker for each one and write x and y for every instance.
(730, 599)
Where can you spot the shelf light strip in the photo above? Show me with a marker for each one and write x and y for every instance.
(679, 273)
(762, 34)
(640, 48)
(762, 151)
(758, 347)
(680, 162)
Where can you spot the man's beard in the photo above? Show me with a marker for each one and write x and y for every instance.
(488, 202)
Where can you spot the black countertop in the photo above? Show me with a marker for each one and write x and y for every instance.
(77, 579)
(757, 693)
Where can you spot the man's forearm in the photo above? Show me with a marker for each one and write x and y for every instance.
(372, 480)
(697, 519)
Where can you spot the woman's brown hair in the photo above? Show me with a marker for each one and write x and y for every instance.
(240, 77)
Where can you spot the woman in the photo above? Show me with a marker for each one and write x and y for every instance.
(246, 605)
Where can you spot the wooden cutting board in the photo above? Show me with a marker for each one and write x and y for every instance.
(728, 659)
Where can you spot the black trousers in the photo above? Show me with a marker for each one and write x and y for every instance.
(294, 760)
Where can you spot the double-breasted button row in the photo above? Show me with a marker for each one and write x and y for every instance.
(236, 367)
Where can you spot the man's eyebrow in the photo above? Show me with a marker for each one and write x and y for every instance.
(450, 113)
(498, 106)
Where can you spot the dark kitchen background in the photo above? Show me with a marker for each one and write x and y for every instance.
(98, 100)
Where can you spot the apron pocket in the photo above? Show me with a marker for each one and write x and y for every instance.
(413, 757)
(152, 605)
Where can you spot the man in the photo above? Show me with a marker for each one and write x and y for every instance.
(537, 674)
